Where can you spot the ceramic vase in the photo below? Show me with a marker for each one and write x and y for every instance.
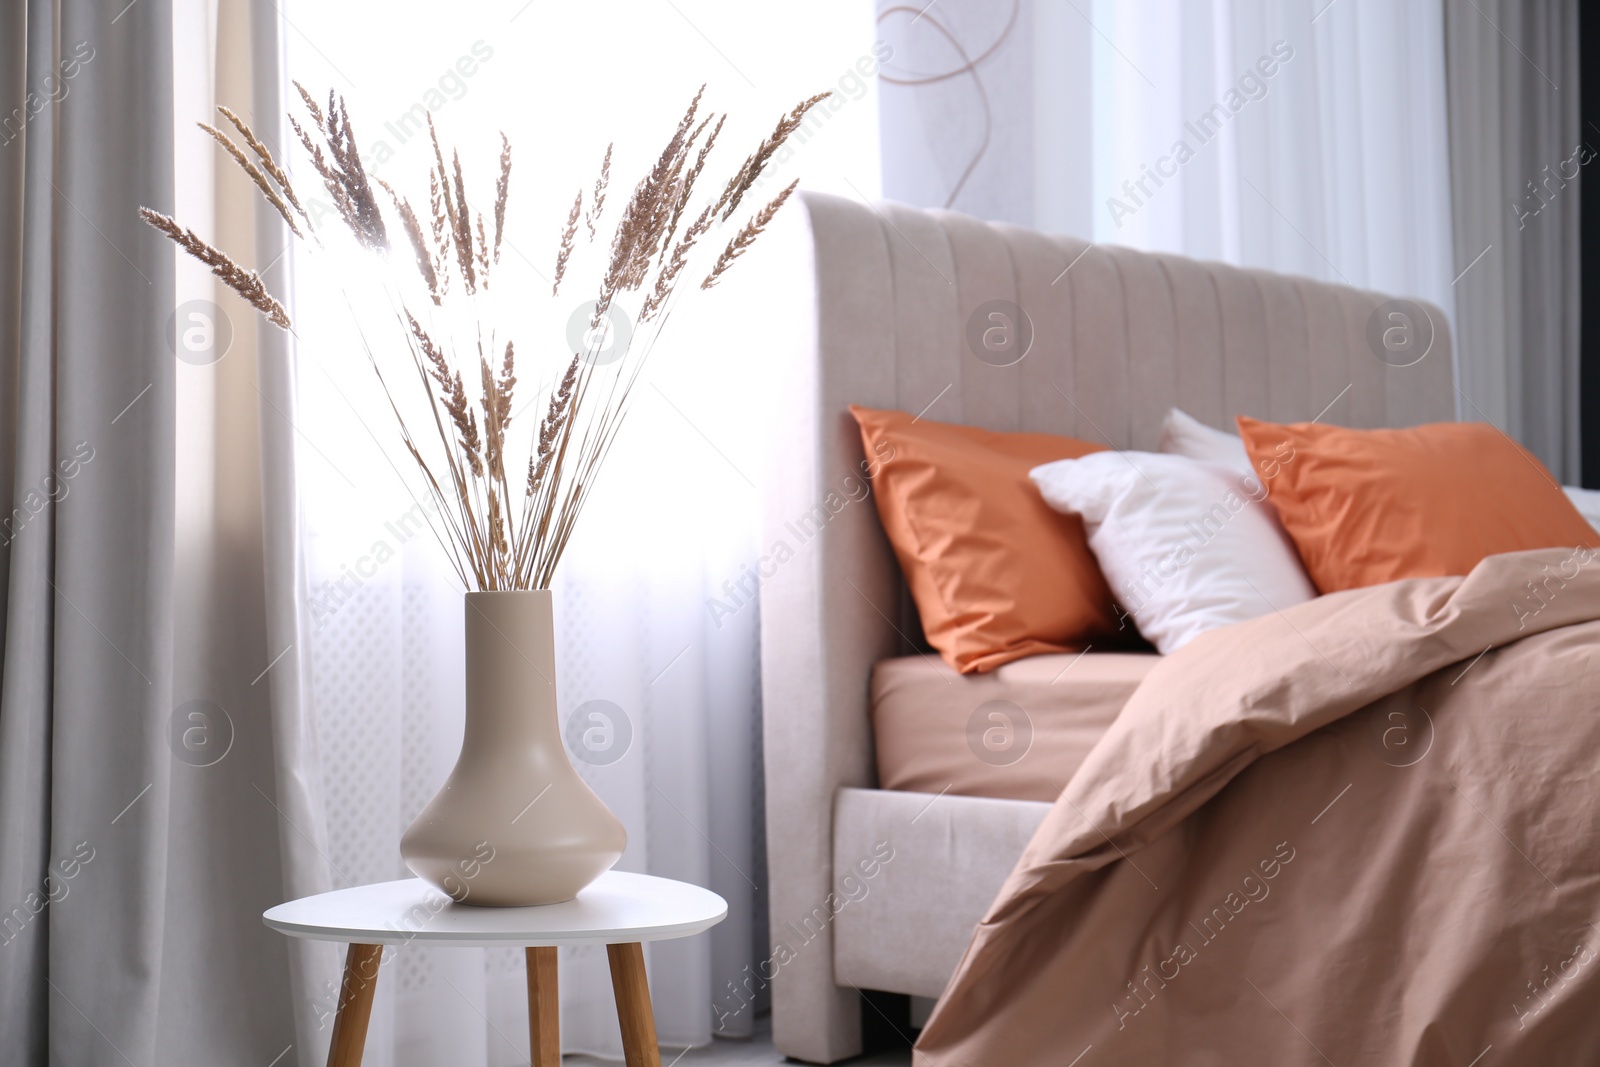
(514, 824)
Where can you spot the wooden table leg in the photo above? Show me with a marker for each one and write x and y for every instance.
(544, 1008)
(355, 1005)
(632, 988)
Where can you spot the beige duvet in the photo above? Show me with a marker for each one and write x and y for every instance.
(1343, 834)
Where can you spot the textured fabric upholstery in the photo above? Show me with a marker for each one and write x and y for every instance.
(906, 928)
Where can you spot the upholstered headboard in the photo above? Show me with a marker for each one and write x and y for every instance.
(889, 309)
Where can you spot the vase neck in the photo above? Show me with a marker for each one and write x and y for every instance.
(510, 668)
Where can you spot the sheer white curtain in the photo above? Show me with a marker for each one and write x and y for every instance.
(658, 685)
(1306, 136)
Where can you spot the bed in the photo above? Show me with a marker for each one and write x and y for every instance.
(1118, 338)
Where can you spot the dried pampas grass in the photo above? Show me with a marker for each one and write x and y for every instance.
(247, 283)
(747, 236)
(492, 541)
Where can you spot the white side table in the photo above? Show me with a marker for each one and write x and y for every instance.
(619, 910)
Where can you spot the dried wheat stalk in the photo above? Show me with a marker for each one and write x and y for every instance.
(491, 541)
(686, 186)
(502, 194)
(461, 230)
(741, 182)
(564, 253)
(597, 204)
(420, 248)
(268, 163)
(747, 236)
(255, 174)
(247, 283)
(345, 177)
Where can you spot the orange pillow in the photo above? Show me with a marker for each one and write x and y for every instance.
(1371, 506)
(996, 574)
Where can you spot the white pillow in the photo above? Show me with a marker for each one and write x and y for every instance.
(1186, 545)
(1184, 435)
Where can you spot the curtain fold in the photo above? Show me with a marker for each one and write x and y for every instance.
(24, 670)
(314, 966)
(138, 819)
(1517, 151)
(238, 573)
(87, 442)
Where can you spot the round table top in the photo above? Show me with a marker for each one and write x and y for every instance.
(617, 907)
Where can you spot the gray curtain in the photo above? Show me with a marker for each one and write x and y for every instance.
(85, 673)
(1516, 154)
(140, 816)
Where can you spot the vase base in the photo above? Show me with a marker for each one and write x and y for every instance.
(502, 878)
(532, 904)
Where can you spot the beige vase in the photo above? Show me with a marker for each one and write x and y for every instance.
(514, 824)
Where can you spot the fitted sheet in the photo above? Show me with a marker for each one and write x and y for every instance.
(1015, 733)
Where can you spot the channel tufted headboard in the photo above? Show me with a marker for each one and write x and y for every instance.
(887, 306)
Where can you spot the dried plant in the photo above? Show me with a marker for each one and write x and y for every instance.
(419, 244)
(502, 192)
(247, 283)
(746, 177)
(564, 253)
(492, 540)
(747, 236)
(345, 177)
(245, 164)
(267, 161)
(598, 203)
